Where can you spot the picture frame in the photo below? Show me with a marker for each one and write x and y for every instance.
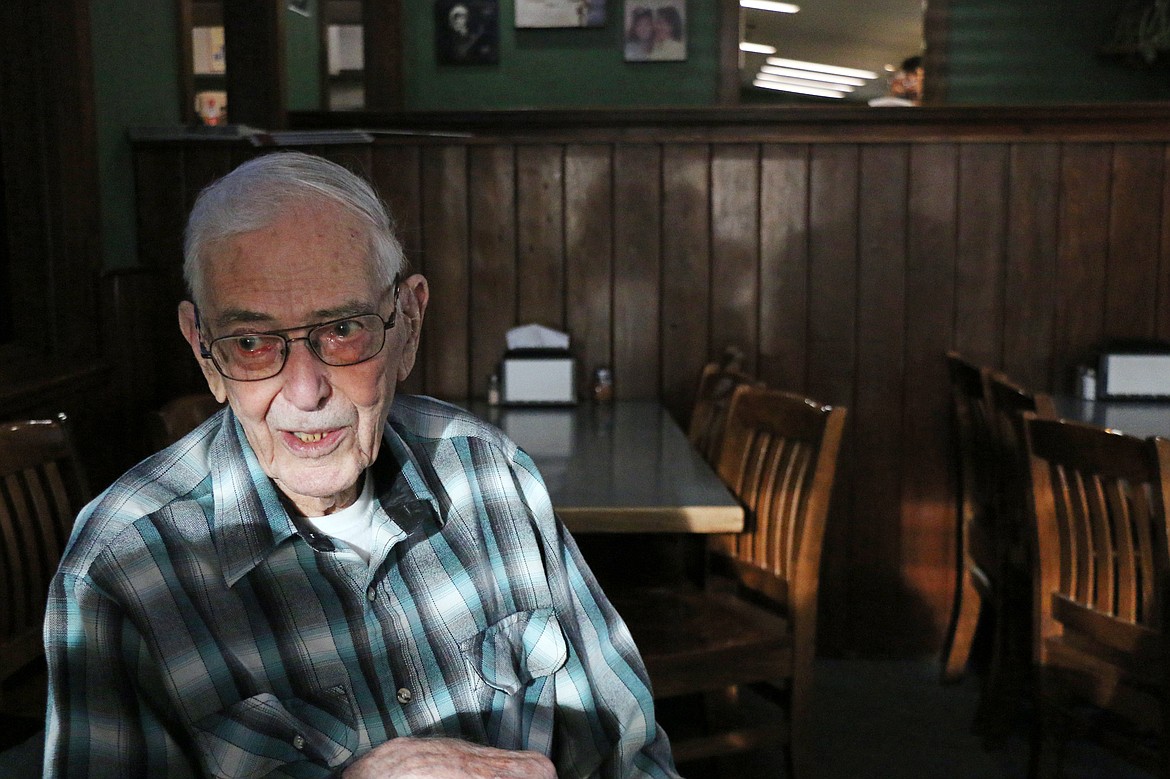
(467, 32)
(655, 30)
(560, 13)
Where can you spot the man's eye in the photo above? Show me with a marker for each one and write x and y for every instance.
(346, 328)
(253, 345)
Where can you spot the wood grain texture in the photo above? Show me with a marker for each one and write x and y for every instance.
(845, 268)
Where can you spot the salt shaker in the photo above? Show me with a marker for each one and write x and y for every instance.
(602, 385)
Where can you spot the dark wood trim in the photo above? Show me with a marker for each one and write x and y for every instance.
(257, 81)
(186, 17)
(730, 61)
(762, 124)
(936, 28)
(382, 33)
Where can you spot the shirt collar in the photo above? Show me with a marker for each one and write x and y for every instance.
(250, 521)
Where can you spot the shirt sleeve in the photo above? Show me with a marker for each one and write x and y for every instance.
(605, 722)
(99, 724)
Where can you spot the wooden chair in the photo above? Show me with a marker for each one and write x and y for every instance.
(978, 556)
(755, 621)
(178, 417)
(717, 382)
(42, 487)
(1005, 685)
(1101, 563)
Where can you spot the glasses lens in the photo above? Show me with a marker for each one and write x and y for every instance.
(249, 357)
(348, 341)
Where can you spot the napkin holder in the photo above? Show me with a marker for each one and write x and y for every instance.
(1137, 374)
(538, 377)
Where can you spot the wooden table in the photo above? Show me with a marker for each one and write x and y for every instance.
(624, 467)
(1142, 418)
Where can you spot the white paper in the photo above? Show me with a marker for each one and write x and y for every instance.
(537, 337)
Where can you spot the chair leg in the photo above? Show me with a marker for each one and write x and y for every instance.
(968, 605)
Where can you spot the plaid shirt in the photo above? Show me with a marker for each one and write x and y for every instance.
(195, 628)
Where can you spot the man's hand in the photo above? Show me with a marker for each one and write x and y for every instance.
(448, 758)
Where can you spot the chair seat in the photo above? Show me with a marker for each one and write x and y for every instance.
(698, 641)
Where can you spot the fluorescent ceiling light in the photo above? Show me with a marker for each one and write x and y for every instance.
(813, 75)
(799, 90)
(819, 68)
(769, 5)
(802, 82)
(757, 48)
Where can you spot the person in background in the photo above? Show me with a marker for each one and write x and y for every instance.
(907, 81)
(325, 579)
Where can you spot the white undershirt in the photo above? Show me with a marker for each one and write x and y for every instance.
(352, 524)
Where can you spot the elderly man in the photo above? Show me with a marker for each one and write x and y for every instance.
(323, 580)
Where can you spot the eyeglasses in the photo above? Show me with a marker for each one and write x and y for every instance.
(338, 342)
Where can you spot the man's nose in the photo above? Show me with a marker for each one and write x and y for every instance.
(306, 378)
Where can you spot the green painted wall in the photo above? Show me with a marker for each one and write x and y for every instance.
(1040, 51)
(301, 55)
(136, 83)
(560, 68)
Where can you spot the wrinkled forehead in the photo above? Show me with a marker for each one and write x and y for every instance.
(308, 259)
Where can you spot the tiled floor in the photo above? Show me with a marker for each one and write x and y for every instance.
(874, 719)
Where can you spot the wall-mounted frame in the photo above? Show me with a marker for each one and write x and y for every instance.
(656, 30)
(467, 32)
(560, 13)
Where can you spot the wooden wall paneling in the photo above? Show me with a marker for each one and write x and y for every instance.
(445, 344)
(1030, 275)
(71, 172)
(540, 235)
(926, 531)
(493, 257)
(1082, 249)
(1164, 258)
(832, 283)
(834, 179)
(396, 175)
(358, 158)
(784, 240)
(637, 218)
(589, 256)
(161, 217)
(735, 249)
(687, 272)
(979, 272)
(867, 592)
(1135, 218)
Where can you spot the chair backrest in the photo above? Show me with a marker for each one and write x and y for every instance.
(1008, 401)
(717, 382)
(42, 487)
(178, 417)
(974, 439)
(1100, 555)
(779, 457)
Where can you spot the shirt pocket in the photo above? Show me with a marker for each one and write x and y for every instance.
(516, 650)
(261, 733)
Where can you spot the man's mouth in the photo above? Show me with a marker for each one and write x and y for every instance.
(308, 438)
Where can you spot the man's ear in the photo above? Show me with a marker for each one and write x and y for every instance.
(412, 300)
(190, 330)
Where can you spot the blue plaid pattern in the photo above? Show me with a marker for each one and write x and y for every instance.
(196, 629)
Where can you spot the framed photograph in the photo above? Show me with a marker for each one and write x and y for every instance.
(560, 13)
(656, 30)
(467, 32)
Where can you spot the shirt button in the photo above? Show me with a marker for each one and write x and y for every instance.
(298, 742)
(404, 696)
(371, 595)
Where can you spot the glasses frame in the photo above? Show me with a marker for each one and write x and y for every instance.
(205, 348)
